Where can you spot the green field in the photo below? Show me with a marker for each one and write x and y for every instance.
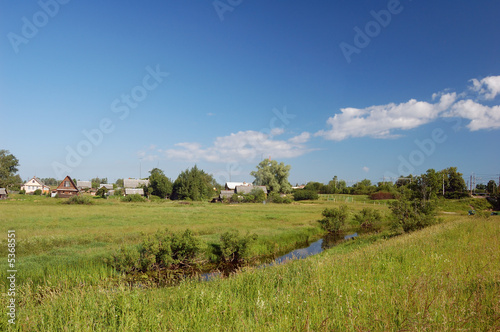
(445, 277)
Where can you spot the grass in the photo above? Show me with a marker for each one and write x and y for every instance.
(446, 277)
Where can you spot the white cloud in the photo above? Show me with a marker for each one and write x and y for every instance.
(366, 169)
(487, 88)
(242, 146)
(300, 139)
(382, 120)
(481, 116)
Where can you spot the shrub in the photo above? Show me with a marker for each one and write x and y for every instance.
(37, 192)
(381, 195)
(234, 248)
(101, 192)
(410, 215)
(154, 198)
(184, 248)
(162, 250)
(236, 198)
(258, 195)
(301, 195)
(22, 192)
(276, 198)
(80, 199)
(334, 219)
(133, 198)
(368, 218)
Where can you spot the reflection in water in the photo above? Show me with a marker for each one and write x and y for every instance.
(314, 248)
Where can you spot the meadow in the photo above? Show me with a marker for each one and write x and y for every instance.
(445, 277)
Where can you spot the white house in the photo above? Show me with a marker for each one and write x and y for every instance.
(34, 184)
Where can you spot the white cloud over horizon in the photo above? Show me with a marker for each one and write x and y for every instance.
(382, 120)
(378, 121)
(241, 146)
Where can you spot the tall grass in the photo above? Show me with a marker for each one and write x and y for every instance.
(445, 277)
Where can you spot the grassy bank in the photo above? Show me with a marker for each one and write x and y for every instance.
(58, 242)
(446, 277)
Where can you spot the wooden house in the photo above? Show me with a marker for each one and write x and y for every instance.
(132, 191)
(67, 188)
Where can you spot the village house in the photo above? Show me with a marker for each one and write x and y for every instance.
(67, 188)
(3, 193)
(32, 185)
(135, 183)
(239, 188)
(83, 185)
(107, 186)
(132, 191)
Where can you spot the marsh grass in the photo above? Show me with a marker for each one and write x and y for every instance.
(445, 277)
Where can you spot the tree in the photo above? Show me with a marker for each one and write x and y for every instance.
(160, 184)
(453, 181)
(491, 187)
(194, 184)
(119, 183)
(272, 175)
(50, 181)
(315, 186)
(96, 182)
(8, 169)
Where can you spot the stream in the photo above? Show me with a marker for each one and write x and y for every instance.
(300, 253)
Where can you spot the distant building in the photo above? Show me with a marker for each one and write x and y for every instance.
(82, 185)
(225, 194)
(233, 185)
(35, 184)
(67, 188)
(107, 186)
(3, 193)
(239, 188)
(134, 183)
(248, 189)
(131, 191)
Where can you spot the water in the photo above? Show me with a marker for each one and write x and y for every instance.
(301, 253)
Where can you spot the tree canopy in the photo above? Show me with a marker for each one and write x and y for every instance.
(194, 184)
(8, 169)
(272, 175)
(159, 183)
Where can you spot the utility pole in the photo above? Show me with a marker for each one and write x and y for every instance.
(443, 184)
(470, 187)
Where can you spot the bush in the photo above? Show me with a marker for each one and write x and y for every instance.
(133, 198)
(410, 215)
(80, 199)
(381, 195)
(236, 198)
(334, 219)
(162, 250)
(37, 192)
(368, 218)
(301, 195)
(154, 198)
(276, 198)
(22, 192)
(234, 248)
(101, 192)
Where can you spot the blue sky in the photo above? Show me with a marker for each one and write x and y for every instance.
(357, 89)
